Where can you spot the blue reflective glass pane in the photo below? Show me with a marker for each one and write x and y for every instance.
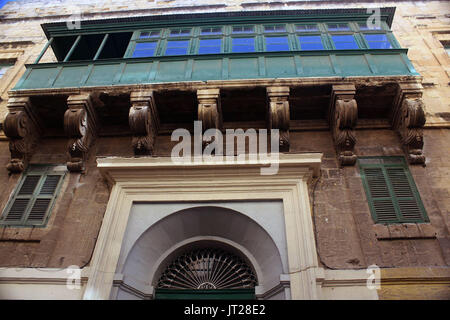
(277, 44)
(206, 50)
(173, 44)
(375, 37)
(344, 42)
(277, 47)
(175, 51)
(276, 40)
(145, 45)
(143, 53)
(210, 42)
(311, 46)
(177, 47)
(343, 38)
(244, 48)
(379, 45)
(308, 39)
(243, 41)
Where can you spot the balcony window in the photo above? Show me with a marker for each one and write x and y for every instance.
(275, 28)
(277, 44)
(180, 32)
(150, 34)
(243, 45)
(338, 27)
(177, 47)
(145, 49)
(208, 46)
(306, 28)
(377, 41)
(364, 27)
(342, 42)
(310, 42)
(243, 29)
(211, 31)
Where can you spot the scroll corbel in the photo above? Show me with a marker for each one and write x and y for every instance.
(342, 117)
(408, 119)
(209, 110)
(144, 122)
(23, 127)
(80, 125)
(278, 114)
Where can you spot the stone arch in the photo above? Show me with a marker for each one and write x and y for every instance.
(202, 226)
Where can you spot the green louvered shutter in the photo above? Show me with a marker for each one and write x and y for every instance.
(391, 192)
(34, 197)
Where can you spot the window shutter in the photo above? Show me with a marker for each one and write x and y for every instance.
(50, 184)
(17, 210)
(32, 201)
(390, 190)
(20, 205)
(380, 197)
(409, 208)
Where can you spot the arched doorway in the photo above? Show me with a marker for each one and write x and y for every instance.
(207, 273)
(150, 248)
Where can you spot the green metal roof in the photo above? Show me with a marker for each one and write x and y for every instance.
(60, 28)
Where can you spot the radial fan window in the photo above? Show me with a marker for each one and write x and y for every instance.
(208, 269)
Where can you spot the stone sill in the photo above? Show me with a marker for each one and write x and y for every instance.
(404, 231)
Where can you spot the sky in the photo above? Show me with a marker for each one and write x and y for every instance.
(3, 2)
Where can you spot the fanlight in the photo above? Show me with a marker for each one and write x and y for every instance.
(207, 269)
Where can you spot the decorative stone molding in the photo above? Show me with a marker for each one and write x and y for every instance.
(278, 113)
(153, 179)
(23, 127)
(408, 119)
(209, 109)
(144, 121)
(342, 116)
(80, 124)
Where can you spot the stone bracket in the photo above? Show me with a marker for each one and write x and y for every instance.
(209, 109)
(278, 113)
(342, 117)
(80, 125)
(408, 119)
(143, 119)
(23, 127)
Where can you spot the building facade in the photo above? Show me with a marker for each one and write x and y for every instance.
(96, 204)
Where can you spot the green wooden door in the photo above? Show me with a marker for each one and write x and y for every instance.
(223, 294)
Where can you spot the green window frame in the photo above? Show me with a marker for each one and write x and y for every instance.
(391, 192)
(298, 36)
(34, 197)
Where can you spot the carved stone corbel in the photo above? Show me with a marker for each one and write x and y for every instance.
(80, 124)
(408, 118)
(209, 109)
(342, 117)
(278, 113)
(23, 127)
(144, 121)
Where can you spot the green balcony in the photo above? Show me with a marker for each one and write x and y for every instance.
(221, 46)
